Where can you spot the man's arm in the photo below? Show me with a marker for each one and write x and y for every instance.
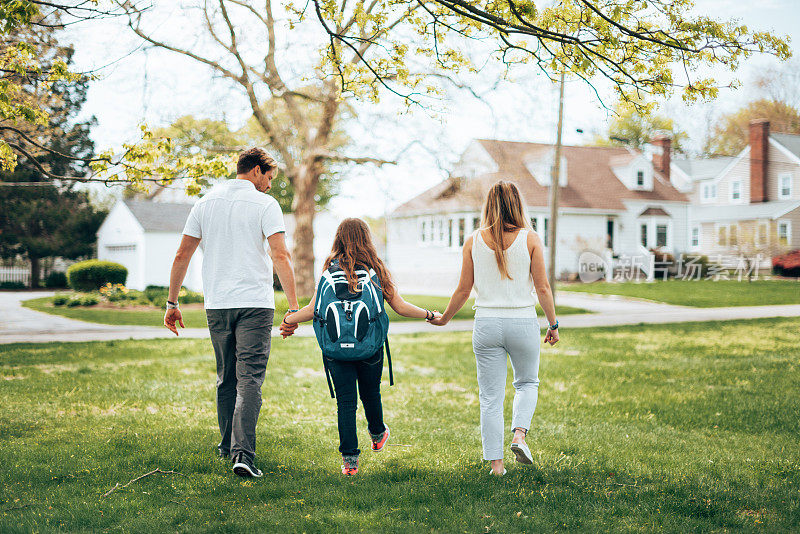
(282, 260)
(179, 266)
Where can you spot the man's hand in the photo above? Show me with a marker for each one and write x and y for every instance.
(551, 336)
(171, 317)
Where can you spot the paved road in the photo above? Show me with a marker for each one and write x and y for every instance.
(20, 325)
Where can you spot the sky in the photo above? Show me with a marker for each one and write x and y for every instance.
(138, 84)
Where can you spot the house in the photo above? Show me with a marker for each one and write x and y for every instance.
(617, 199)
(749, 203)
(143, 235)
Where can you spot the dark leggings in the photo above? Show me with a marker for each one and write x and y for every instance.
(345, 376)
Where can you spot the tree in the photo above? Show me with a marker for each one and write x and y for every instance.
(40, 219)
(631, 126)
(375, 47)
(731, 134)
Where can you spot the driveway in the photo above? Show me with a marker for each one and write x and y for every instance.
(21, 325)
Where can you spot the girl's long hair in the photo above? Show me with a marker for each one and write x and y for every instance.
(353, 246)
(503, 212)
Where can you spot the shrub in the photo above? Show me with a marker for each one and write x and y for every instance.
(91, 275)
(56, 279)
(787, 264)
(83, 300)
(60, 300)
(157, 295)
(12, 285)
(116, 292)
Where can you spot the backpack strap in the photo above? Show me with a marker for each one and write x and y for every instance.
(328, 376)
(389, 359)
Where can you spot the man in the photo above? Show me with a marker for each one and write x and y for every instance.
(233, 220)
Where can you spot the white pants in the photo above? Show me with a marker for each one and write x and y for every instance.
(492, 339)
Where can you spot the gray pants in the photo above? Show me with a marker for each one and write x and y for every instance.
(241, 338)
(492, 338)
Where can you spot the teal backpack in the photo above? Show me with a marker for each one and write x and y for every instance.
(350, 326)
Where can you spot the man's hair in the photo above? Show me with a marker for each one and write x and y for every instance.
(253, 157)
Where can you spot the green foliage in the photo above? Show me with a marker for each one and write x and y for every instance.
(12, 285)
(84, 300)
(157, 295)
(91, 275)
(636, 126)
(731, 133)
(60, 299)
(668, 428)
(56, 280)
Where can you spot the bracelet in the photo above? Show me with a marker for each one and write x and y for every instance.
(292, 311)
(172, 305)
(553, 326)
(429, 314)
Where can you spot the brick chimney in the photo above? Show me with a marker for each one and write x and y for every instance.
(759, 150)
(661, 154)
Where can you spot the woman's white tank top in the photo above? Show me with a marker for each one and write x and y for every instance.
(498, 296)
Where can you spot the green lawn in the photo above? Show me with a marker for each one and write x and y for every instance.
(196, 318)
(676, 428)
(701, 293)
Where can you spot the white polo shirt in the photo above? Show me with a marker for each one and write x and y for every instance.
(233, 221)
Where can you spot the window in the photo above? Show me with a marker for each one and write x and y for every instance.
(476, 223)
(640, 178)
(784, 232)
(121, 248)
(661, 235)
(709, 192)
(762, 234)
(695, 237)
(732, 231)
(450, 232)
(424, 231)
(533, 223)
(736, 190)
(785, 186)
(440, 228)
(461, 231)
(722, 236)
(546, 236)
(643, 235)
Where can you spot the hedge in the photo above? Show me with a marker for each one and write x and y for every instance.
(90, 275)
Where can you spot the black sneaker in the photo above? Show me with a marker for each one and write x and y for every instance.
(244, 467)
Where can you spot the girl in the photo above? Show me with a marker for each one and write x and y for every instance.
(504, 260)
(353, 247)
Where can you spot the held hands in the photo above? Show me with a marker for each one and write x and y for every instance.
(287, 327)
(438, 319)
(171, 317)
(551, 336)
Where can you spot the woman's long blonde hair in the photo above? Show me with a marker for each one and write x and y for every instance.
(503, 211)
(353, 246)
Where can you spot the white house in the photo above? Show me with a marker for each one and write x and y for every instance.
(143, 235)
(610, 198)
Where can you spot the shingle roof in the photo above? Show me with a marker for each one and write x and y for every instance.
(703, 168)
(654, 211)
(790, 141)
(591, 183)
(159, 216)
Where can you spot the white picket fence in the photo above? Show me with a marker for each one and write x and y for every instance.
(15, 274)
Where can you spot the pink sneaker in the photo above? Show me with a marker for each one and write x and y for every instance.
(349, 465)
(379, 441)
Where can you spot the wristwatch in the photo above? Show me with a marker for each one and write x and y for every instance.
(553, 326)
(172, 305)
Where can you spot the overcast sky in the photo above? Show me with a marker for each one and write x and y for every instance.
(138, 84)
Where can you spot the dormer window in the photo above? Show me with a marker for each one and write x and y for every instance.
(709, 192)
(639, 178)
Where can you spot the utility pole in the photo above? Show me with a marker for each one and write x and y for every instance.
(554, 187)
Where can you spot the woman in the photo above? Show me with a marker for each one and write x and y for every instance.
(504, 259)
(352, 249)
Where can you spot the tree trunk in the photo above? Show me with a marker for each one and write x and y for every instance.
(35, 268)
(304, 205)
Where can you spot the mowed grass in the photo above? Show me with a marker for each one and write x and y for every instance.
(196, 317)
(676, 428)
(701, 293)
